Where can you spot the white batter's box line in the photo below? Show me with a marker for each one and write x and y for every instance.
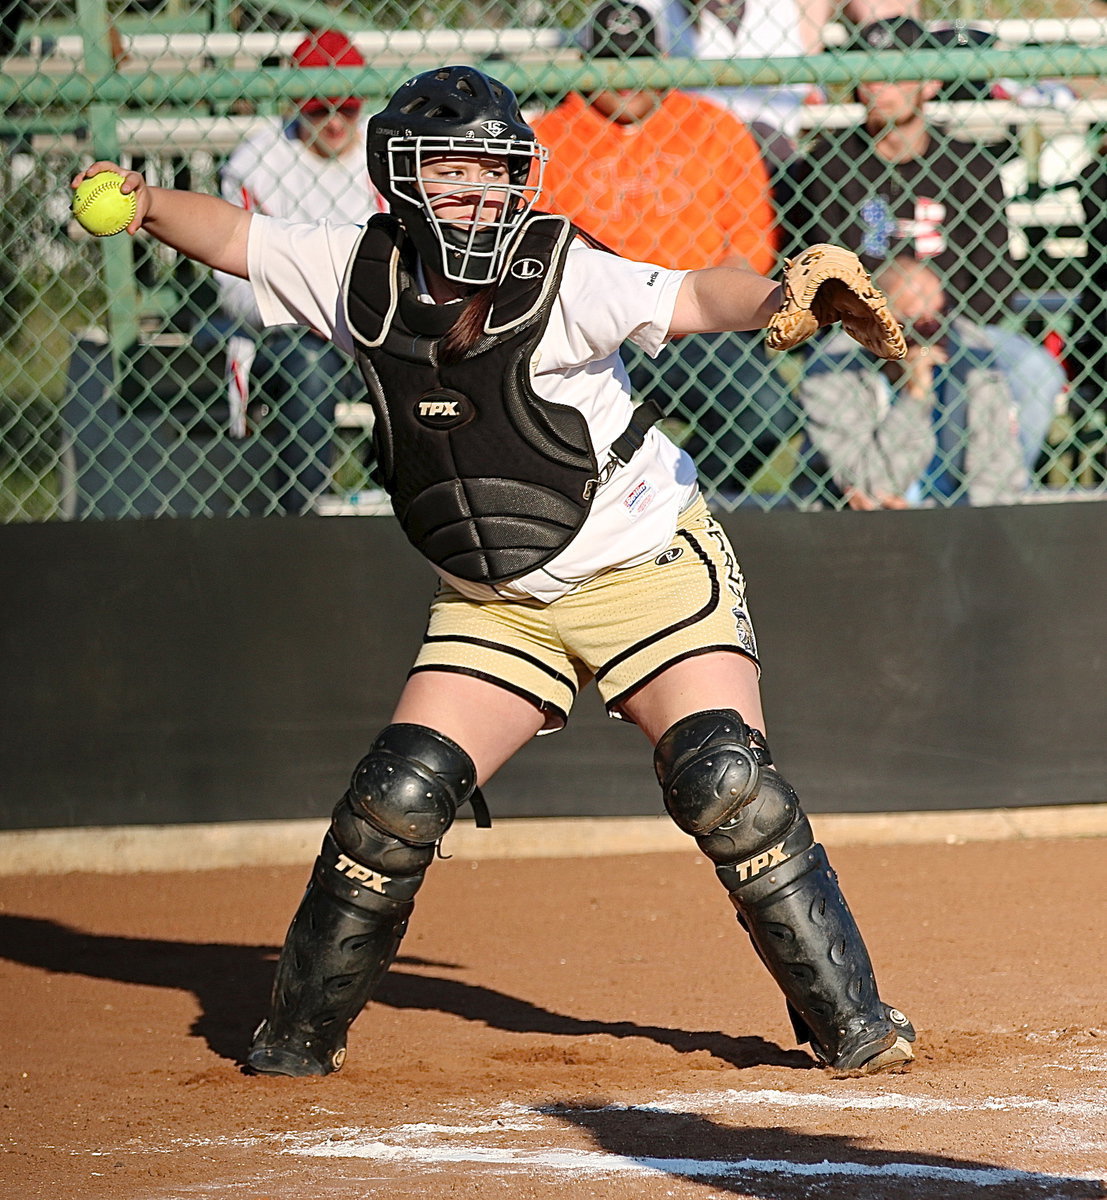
(470, 1137)
(596, 1163)
(1092, 1104)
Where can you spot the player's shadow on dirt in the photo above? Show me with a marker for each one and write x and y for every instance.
(402, 989)
(232, 985)
(777, 1163)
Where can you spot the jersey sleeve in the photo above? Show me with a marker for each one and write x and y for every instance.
(606, 300)
(297, 270)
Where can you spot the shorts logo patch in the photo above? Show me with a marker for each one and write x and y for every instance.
(744, 630)
(639, 498)
(669, 556)
(443, 408)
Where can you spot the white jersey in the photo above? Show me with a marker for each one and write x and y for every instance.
(297, 272)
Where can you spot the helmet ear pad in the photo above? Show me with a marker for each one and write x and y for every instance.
(462, 111)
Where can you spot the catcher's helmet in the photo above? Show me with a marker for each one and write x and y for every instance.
(454, 110)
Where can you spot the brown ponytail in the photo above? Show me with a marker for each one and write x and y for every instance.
(468, 329)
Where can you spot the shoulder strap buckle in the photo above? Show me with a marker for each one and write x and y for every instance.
(627, 444)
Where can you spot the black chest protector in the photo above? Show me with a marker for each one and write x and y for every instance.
(488, 480)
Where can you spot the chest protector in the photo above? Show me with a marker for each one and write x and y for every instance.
(488, 480)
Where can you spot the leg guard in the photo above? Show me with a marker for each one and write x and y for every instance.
(402, 798)
(745, 817)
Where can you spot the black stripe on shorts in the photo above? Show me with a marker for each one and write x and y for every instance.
(710, 606)
(540, 704)
(485, 644)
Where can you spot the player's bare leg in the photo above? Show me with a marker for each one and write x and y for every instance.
(720, 786)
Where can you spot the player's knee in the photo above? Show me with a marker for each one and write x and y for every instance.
(402, 798)
(709, 765)
(718, 786)
(411, 784)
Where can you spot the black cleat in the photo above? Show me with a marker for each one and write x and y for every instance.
(291, 1055)
(868, 1055)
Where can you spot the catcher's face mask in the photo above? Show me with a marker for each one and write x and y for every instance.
(470, 194)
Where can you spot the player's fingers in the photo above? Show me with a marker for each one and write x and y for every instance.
(92, 169)
(887, 500)
(131, 178)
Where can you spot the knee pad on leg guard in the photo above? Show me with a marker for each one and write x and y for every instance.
(708, 765)
(714, 774)
(411, 783)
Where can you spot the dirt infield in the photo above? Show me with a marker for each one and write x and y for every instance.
(586, 1027)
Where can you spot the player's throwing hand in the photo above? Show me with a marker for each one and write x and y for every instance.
(133, 184)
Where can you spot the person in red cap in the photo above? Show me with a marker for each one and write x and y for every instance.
(329, 126)
(310, 168)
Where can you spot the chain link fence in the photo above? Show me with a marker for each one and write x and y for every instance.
(684, 132)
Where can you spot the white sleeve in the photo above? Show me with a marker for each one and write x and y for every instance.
(297, 271)
(607, 300)
(232, 180)
(237, 298)
(235, 294)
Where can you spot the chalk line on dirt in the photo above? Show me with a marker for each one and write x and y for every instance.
(488, 1138)
(436, 1144)
(594, 1162)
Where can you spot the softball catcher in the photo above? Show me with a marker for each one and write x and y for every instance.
(568, 534)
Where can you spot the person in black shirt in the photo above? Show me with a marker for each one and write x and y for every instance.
(897, 185)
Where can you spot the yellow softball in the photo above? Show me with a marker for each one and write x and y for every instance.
(100, 207)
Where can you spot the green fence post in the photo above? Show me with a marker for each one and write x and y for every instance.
(99, 65)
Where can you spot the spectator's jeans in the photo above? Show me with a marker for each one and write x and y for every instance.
(300, 376)
(726, 388)
(1036, 379)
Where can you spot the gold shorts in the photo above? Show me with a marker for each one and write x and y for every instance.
(622, 628)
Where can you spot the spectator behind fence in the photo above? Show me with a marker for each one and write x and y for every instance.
(896, 184)
(309, 169)
(744, 29)
(1088, 358)
(936, 427)
(669, 178)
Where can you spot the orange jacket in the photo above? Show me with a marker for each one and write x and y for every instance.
(686, 188)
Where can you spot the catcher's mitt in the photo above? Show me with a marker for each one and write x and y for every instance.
(826, 284)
